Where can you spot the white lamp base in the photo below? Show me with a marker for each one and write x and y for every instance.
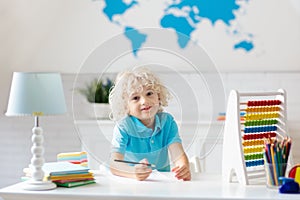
(38, 185)
(37, 161)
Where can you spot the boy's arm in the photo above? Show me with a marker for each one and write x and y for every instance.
(139, 172)
(182, 166)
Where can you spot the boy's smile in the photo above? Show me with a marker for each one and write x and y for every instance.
(146, 108)
(144, 105)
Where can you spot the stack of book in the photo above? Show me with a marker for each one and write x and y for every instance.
(66, 174)
(222, 116)
(74, 157)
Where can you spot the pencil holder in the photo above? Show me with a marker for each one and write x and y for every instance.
(273, 172)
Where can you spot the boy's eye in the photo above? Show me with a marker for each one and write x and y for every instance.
(149, 93)
(135, 98)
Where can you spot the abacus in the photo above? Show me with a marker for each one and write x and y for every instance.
(250, 118)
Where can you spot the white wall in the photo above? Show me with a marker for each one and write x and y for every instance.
(59, 35)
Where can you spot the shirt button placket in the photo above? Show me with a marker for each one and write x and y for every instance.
(151, 143)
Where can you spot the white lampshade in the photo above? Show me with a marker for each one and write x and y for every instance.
(36, 93)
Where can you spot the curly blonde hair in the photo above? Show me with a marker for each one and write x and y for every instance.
(131, 81)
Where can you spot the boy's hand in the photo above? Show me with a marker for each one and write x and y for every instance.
(142, 171)
(182, 172)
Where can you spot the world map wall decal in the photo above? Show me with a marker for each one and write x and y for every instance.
(183, 17)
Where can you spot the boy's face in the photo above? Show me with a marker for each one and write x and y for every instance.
(144, 104)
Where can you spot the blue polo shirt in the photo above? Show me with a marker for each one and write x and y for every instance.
(136, 141)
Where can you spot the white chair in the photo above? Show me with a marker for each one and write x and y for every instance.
(195, 164)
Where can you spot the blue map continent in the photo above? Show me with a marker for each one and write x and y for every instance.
(213, 10)
(119, 7)
(182, 27)
(246, 45)
(116, 7)
(137, 39)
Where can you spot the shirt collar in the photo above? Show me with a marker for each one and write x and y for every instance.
(157, 127)
(141, 128)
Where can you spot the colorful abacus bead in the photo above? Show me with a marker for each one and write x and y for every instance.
(261, 116)
(264, 103)
(259, 136)
(254, 156)
(258, 149)
(253, 142)
(260, 129)
(254, 163)
(261, 122)
(263, 109)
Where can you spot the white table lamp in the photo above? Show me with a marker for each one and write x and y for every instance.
(36, 94)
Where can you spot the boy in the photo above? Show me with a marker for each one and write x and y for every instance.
(144, 133)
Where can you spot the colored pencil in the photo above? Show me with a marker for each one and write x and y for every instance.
(268, 170)
(136, 163)
(273, 163)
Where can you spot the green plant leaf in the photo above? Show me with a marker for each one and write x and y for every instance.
(97, 91)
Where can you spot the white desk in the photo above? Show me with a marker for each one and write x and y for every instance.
(110, 188)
